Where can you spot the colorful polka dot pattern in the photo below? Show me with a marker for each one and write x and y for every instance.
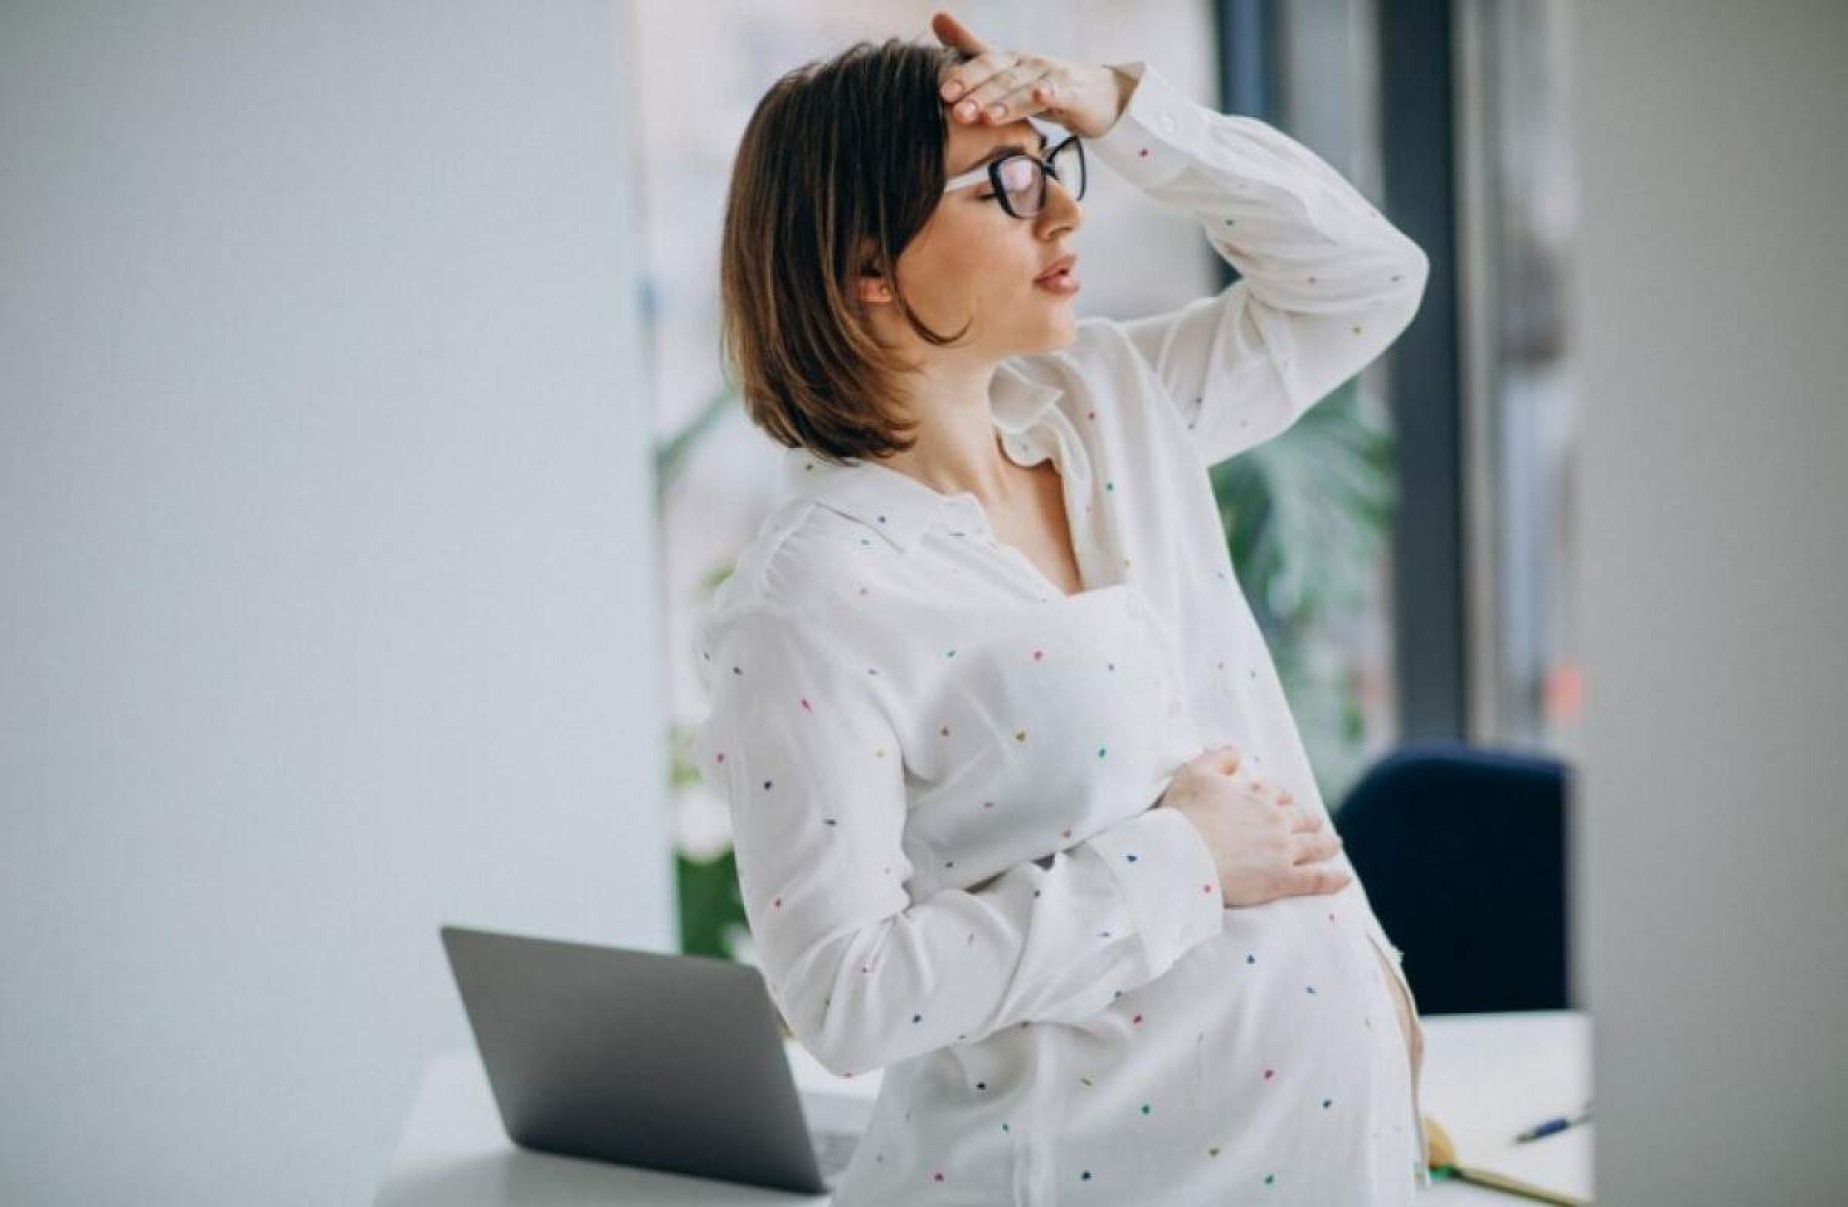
(888, 773)
(1145, 1109)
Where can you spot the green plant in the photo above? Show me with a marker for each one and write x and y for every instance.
(1304, 514)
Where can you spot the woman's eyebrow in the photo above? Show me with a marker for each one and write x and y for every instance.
(1006, 148)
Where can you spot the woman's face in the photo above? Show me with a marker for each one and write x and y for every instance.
(974, 262)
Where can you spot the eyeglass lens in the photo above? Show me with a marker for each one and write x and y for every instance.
(1023, 180)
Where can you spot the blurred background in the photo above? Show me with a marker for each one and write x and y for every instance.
(366, 461)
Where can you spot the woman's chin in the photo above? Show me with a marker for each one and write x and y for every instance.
(1062, 331)
(1055, 328)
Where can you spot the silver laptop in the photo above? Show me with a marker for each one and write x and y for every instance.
(671, 1062)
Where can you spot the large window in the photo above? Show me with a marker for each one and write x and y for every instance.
(1322, 58)
(1511, 225)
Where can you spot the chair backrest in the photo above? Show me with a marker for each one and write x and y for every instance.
(1461, 850)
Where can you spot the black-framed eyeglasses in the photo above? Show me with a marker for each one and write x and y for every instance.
(1019, 179)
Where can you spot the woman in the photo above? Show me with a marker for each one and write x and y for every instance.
(1020, 813)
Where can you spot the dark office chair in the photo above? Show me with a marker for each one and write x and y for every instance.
(1462, 852)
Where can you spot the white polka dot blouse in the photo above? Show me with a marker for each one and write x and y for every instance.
(941, 768)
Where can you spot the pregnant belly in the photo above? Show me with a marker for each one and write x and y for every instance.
(1271, 1050)
(1329, 981)
(1290, 996)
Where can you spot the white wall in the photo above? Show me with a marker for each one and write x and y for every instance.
(329, 601)
(1711, 320)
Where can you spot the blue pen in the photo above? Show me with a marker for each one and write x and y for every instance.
(1557, 1124)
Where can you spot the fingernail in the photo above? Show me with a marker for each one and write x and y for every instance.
(952, 90)
(996, 110)
(966, 108)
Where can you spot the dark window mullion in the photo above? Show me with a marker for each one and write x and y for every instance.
(1418, 158)
(1423, 386)
(1246, 34)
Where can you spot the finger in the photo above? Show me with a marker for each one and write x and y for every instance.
(1008, 88)
(1225, 759)
(961, 78)
(1021, 102)
(986, 80)
(1319, 879)
(1301, 820)
(1315, 848)
(973, 107)
(971, 75)
(952, 32)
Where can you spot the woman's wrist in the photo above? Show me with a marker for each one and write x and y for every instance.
(1107, 94)
(1125, 88)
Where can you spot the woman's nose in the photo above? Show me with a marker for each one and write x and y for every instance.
(1061, 205)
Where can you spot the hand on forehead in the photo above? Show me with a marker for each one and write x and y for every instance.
(996, 86)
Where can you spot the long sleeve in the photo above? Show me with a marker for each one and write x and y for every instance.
(1327, 282)
(801, 746)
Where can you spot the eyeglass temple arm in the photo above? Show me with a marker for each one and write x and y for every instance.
(972, 176)
(977, 175)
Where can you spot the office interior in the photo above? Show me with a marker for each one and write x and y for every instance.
(367, 462)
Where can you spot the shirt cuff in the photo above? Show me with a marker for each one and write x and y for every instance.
(1158, 133)
(1168, 879)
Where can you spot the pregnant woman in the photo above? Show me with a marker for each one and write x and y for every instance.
(1020, 813)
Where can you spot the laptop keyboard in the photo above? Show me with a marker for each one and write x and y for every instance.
(833, 1150)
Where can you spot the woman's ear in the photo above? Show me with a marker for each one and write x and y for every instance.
(872, 287)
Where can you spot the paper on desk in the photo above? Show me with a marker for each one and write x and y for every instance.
(1486, 1087)
(1561, 1161)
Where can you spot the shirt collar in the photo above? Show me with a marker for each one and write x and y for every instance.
(896, 505)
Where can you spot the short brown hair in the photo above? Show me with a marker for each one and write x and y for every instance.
(839, 168)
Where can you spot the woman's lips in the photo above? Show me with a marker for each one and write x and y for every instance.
(1063, 283)
(1063, 264)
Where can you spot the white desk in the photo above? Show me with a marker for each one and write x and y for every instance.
(1486, 1076)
